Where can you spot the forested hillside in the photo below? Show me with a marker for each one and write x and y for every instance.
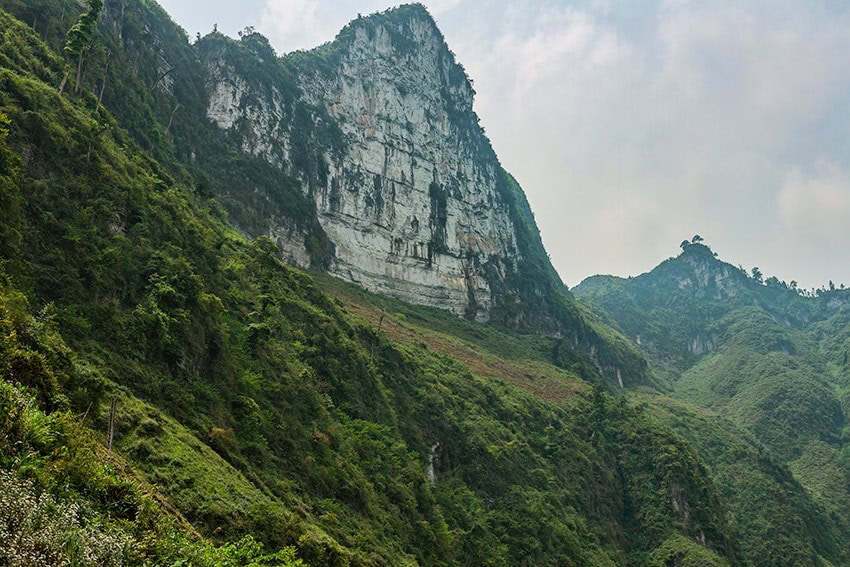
(231, 120)
(267, 416)
(770, 358)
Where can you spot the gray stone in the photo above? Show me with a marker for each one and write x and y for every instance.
(412, 206)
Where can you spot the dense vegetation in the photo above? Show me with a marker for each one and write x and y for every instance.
(260, 409)
(269, 417)
(772, 360)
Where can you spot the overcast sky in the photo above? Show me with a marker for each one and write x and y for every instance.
(632, 125)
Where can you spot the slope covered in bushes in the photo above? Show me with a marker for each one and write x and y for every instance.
(254, 406)
(769, 358)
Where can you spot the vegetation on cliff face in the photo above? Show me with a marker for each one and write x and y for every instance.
(267, 417)
(255, 407)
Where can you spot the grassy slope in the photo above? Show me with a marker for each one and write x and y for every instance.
(488, 351)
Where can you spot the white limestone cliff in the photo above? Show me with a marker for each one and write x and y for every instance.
(412, 205)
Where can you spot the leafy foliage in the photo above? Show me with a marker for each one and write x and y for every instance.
(270, 417)
(67, 500)
(768, 358)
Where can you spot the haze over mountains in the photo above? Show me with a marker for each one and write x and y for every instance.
(635, 124)
(287, 311)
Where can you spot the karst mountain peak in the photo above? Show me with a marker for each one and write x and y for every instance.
(291, 310)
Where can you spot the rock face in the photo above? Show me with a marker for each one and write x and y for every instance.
(704, 276)
(383, 176)
(410, 197)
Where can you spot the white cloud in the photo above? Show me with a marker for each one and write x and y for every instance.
(292, 23)
(560, 43)
(817, 204)
(304, 24)
(441, 7)
(633, 130)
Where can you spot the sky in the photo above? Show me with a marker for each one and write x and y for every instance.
(632, 125)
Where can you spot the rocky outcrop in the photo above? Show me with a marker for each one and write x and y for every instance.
(409, 196)
(396, 186)
(700, 272)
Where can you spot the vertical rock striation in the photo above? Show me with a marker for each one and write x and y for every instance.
(396, 186)
(410, 197)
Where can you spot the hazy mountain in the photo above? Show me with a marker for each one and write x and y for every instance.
(154, 197)
(768, 357)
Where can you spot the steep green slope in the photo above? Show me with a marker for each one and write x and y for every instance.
(527, 296)
(153, 81)
(259, 407)
(64, 497)
(776, 521)
(761, 354)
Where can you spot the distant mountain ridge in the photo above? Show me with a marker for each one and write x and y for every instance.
(694, 290)
(771, 358)
(266, 416)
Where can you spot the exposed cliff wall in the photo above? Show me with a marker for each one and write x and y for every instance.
(390, 181)
(409, 193)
